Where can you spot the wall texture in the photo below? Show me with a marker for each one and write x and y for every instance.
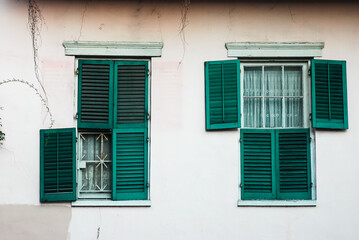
(194, 173)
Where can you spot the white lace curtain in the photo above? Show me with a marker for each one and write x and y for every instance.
(273, 96)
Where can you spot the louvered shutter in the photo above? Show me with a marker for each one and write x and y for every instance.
(222, 80)
(257, 164)
(293, 164)
(129, 164)
(95, 101)
(57, 165)
(130, 136)
(329, 94)
(131, 94)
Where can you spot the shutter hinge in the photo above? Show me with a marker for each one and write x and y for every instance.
(77, 71)
(148, 73)
(309, 72)
(310, 116)
(240, 185)
(311, 185)
(77, 139)
(148, 116)
(240, 139)
(148, 139)
(76, 116)
(147, 185)
(310, 139)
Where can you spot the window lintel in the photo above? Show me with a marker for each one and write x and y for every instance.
(274, 49)
(100, 48)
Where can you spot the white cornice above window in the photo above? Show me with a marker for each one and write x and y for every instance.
(89, 48)
(275, 49)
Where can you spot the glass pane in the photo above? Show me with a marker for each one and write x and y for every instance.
(293, 81)
(273, 112)
(273, 81)
(252, 83)
(96, 162)
(253, 112)
(294, 112)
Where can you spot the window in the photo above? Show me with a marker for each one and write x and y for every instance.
(275, 139)
(112, 137)
(273, 101)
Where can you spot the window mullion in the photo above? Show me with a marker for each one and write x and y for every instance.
(263, 107)
(284, 124)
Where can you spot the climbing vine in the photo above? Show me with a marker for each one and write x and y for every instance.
(2, 135)
(35, 22)
(184, 23)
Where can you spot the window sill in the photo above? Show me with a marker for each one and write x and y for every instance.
(110, 203)
(277, 203)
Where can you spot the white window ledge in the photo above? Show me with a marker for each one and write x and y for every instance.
(274, 49)
(277, 203)
(89, 48)
(110, 203)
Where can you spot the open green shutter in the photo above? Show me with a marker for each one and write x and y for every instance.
(257, 164)
(129, 164)
(329, 94)
(131, 94)
(58, 165)
(293, 164)
(222, 80)
(95, 101)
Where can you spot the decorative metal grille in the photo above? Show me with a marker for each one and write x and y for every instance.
(95, 165)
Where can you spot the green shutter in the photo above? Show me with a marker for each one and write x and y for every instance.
(131, 94)
(293, 164)
(58, 165)
(257, 164)
(222, 80)
(329, 94)
(95, 101)
(130, 164)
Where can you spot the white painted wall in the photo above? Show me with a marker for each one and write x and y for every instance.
(194, 173)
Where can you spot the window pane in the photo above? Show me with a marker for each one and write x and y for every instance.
(294, 112)
(273, 112)
(273, 81)
(293, 81)
(252, 84)
(96, 163)
(253, 112)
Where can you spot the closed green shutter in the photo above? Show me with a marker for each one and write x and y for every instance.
(131, 95)
(57, 165)
(257, 164)
(222, 80)
(95, 100)
(129, 164)
(293, 164)
(329, 94)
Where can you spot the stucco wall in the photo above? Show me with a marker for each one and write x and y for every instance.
(194, 173)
